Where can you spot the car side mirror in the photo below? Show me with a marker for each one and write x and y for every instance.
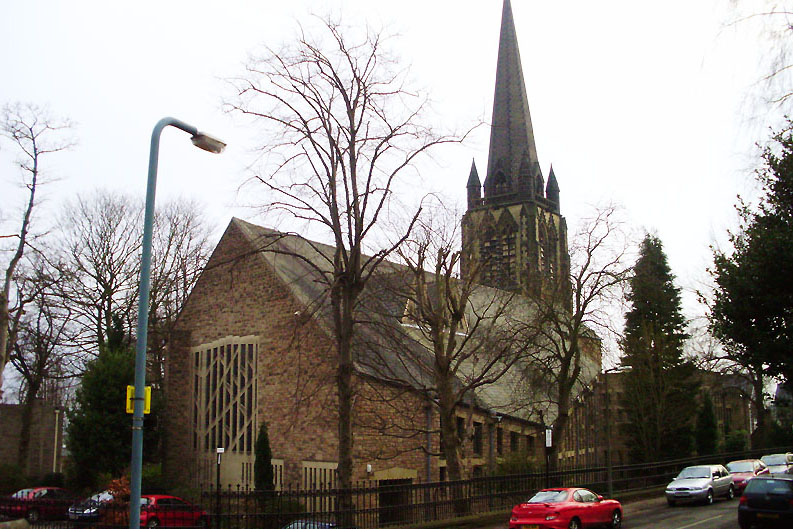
(600, 498)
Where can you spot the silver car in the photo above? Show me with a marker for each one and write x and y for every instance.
(700, 483)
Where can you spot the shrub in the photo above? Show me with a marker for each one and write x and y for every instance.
(12, 479)
(736, 441)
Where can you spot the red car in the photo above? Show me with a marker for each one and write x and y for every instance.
(571, 508)
(745, 469)
(38, 503)
(160, 510)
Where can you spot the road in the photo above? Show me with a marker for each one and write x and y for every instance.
(656, 514)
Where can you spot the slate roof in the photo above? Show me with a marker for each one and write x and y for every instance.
(295, 261)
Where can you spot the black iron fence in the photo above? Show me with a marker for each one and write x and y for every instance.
(375, 505)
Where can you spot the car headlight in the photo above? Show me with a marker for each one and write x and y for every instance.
(552, 516)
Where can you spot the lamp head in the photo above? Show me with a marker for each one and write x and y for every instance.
(208, 143)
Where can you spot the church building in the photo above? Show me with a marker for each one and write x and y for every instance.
(252, 343)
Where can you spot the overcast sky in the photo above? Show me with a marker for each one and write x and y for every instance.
(646, 104)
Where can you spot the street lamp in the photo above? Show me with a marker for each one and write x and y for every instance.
(207, 143)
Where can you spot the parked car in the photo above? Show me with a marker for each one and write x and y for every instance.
(161, 510)
(91, 509)
(700, 483)
(573, 508)
(778, 463)
(38, 503)
(767, 501)
(745, 469)
(310, 524)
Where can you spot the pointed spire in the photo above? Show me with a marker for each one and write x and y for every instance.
(473, 176)
(474, 187)
(552, 189)
(512, 133)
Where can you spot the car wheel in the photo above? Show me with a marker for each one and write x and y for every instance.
(709, 497)
(153, 523)
(731, 493)
(616, 519)
(574, 524)
(32, 515)
(203, 523)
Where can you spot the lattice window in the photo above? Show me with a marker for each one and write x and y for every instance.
(224, 395)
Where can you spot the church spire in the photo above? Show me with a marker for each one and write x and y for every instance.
(512, 134)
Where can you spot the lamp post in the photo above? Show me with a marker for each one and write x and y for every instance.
(207, 143)
(609, 464)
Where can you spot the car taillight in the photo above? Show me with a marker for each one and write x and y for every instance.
(743, 500)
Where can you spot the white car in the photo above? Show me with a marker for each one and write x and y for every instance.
(700, 483)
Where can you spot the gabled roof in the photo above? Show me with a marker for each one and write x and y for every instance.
(301, 265)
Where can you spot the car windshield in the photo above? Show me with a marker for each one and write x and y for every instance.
(776, 459)
(548, 496)
(101, 497)
(21, 493)
(694, 472)
(740, 466)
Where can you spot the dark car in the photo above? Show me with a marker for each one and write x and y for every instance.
(90, 510)
(37, 503)
(767, 502)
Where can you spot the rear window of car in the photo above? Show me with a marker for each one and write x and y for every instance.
(770, 486)
(548, 496)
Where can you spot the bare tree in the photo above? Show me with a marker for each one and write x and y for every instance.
(181, 249)
(569, 315)
(454, 335)
(770, 21)
(40, 349)
(343, 128)
(101, 250)
(101, 237)
(34, 134)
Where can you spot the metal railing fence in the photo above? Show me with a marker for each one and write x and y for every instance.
(373, 504)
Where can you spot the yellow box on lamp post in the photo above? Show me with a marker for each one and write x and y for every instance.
(131, 399)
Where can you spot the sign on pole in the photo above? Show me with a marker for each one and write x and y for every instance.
(131, 399)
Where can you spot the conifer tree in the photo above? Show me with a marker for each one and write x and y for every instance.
(262, 465)
(707, 430)
(660, 383)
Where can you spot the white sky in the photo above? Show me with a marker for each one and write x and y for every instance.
(641, 103)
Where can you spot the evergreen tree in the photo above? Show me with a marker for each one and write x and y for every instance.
(262, 466)
(752, 311)
(660, 385)
(707, 430)
(98, 434)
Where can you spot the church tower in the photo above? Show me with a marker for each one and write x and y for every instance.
(515, 233)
